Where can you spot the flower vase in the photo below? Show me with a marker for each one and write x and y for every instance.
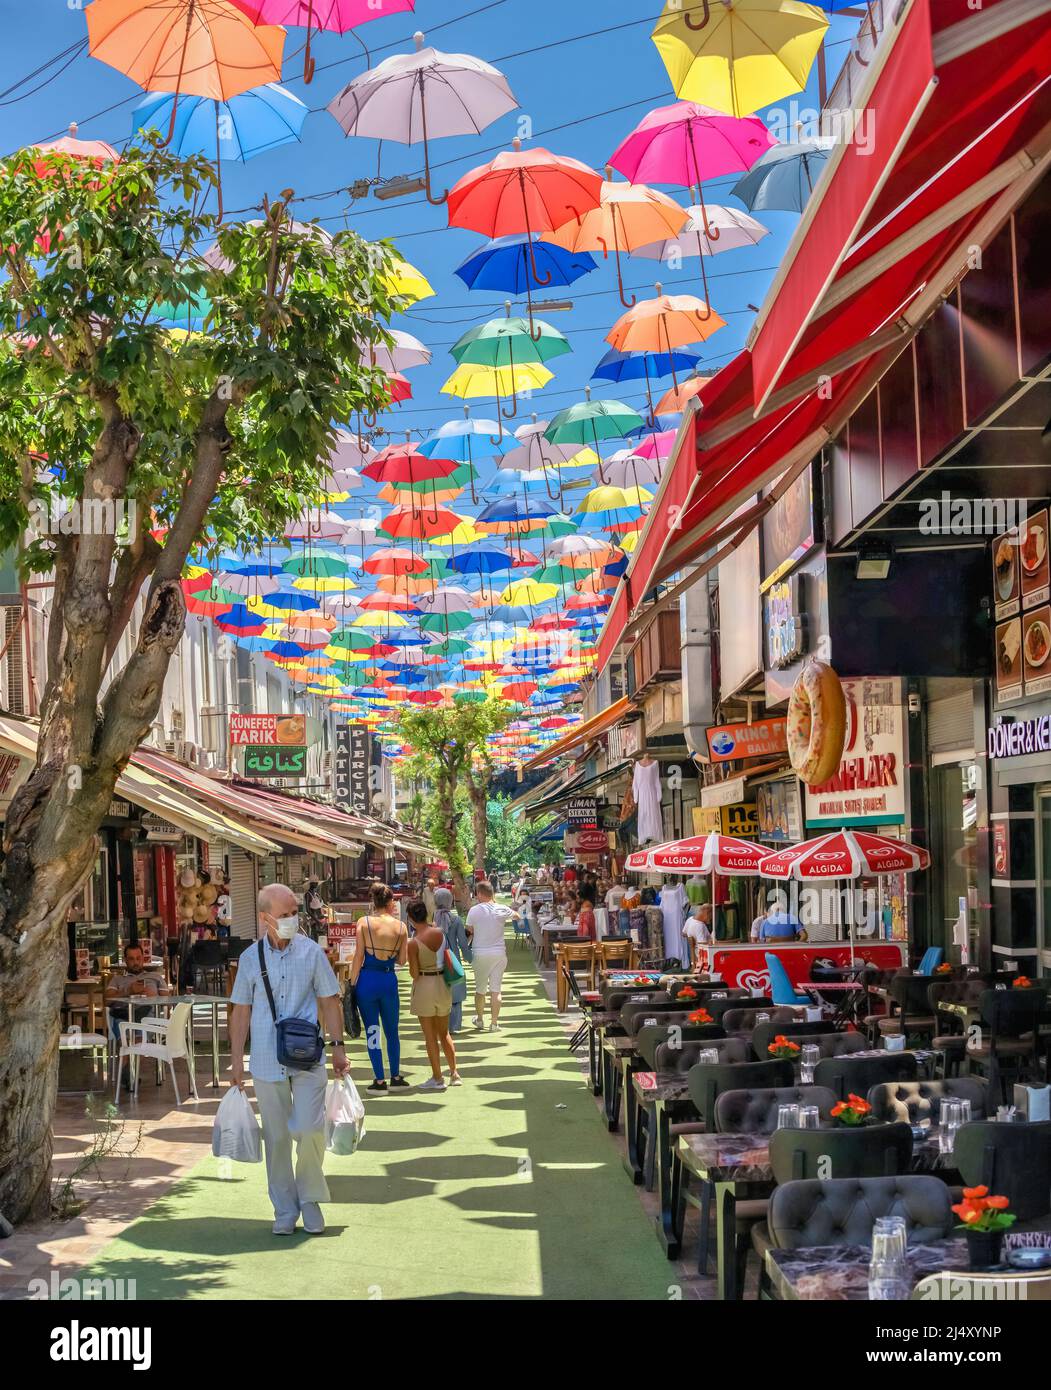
(983, 1249)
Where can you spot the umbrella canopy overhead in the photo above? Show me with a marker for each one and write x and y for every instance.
(845, 854)
(784, 178)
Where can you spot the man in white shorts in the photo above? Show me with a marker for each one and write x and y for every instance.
(486, 924)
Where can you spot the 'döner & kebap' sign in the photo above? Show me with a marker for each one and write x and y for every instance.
(1021, 736)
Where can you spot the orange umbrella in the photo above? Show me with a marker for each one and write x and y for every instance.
(664, 323)
(203, 48)
(627, 218)
(674, 400)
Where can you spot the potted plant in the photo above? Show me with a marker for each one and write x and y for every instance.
(699, 1016)
(944, 969)
(1021, 982)
(783, 1049)
(687, 992)
(852, 1112)
(983, 1220)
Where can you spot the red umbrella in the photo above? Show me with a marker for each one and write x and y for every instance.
(399, 388)
(702, 854)
(845, 854)
(524, 192)
(395, 560)
(402, 463)
(415, 523)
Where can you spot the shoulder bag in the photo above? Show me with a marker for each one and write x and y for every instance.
(300, 1043)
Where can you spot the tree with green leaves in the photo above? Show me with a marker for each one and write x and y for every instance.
(212, 435)
(450, 752)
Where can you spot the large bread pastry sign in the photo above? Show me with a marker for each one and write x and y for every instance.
(817, 723)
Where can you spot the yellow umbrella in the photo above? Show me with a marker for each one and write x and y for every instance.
(472, 379)
(465, 534)
(327, 584)
(738, 55)
(379, 620)
(528, 591)
(405, 280)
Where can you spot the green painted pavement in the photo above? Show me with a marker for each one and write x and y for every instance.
(506, 1187)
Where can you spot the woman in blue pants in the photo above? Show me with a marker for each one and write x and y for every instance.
(381, 946)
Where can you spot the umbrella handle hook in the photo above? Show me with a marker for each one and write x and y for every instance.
(704, 22)
(541, 280)
(628, 303)
(434, 202)
(704, 281)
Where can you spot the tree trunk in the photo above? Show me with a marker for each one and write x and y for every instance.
(480, 819)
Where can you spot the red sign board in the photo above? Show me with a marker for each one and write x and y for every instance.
(268, 730)
(730, 742)
(591, 842)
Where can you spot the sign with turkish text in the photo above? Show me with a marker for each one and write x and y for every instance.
(868, 787)
(586, 841)
(741, 819)
(706, 819)
(268, 730)
(1017, 737)
(728, 742)
(582, 811)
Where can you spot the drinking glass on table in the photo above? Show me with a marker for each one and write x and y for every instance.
(809, 1057)
(763, 1017)
(948, 1123)
(888, 1270)
(709, 1055)
(809, 1117)
(788, 1117)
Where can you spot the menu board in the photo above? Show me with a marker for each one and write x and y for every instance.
(779, 814)
(1022, 607)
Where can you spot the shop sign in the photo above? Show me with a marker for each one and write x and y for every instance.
(778, 813)
(1001, 854)
(268, 730)
(352, 767)
(784, 618)
(740, 819)
(266, 760)
(706, 819)
(723, 793)
(160, 831)
(1022, 599)
(582, 811)
(727, 742)
(868, 787)
(586, 842)
(1014, 738)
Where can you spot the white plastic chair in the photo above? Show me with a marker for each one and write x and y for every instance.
(163, 1039)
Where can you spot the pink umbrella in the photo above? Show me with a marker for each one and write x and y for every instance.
(657, 446)
(687, 143)
(315, 15)
(845, 854)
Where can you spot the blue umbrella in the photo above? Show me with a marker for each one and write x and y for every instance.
(506, 265)
(783, 178)
(246, 125)
(631, 366)
(480, 560)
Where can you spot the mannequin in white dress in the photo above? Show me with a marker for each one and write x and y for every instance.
(646, 789)
(673, 905)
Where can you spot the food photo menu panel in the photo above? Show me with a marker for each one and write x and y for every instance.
(1022, 605)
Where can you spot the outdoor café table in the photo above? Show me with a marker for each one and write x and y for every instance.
(848, 992)
(613, 1050)
(597, 1021)
(646, 1089)
(926, 1058)
(554, 929)
(841, 1272)
(671, 1101)
(213, 1001)
(731, 1161)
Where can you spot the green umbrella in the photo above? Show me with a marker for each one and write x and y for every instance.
(446, 622)
(590, 422)
(508, 343)
(316, 566)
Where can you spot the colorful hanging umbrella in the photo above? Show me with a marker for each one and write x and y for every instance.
(739, 55)
(422, 96)
(728, 855)
(677, 398)
(96, 152)
(315, 15)
(710, 229)
(784, 178)
(590, 422)
(419, 523)
(506, 264)
(471, 382)
(204, 48)
(628, 215)
(405, 281)
(524, 192)
(663, 324)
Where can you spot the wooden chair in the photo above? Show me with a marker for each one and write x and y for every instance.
(566, 955)
(609, 955)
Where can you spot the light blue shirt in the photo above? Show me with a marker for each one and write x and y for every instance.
(299, 976)
(778, 924)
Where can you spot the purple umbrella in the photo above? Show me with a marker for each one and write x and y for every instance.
(421, 96)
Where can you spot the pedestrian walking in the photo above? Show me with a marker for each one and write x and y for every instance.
(449, 921)
(381, 945)
(431, 997)
(486, 927)
(287, 977)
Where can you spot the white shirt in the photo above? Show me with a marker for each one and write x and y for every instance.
(615, 897)
(697, 931)
(488, 922)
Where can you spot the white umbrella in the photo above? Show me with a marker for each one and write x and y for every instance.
(406, 352)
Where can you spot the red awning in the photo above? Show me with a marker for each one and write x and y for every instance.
(887, 232)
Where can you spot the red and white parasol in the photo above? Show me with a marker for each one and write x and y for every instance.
(845, 854)
(701, 854)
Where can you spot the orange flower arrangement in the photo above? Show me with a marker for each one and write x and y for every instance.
(687, 992)
(851, 1111)
(783, 1047)
(944, 969)
(980, 1212)
(699, 1016)
(1021, 982)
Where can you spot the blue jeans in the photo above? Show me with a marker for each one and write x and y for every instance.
(377, 999)
(456, 1016)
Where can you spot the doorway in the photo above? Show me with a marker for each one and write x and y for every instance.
(1043, 865)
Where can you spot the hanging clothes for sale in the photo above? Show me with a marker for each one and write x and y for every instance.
(646, 789)
(673, 908)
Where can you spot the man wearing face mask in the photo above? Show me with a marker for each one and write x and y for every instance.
(291, 1102)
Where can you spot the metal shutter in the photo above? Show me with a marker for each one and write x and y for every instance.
(950, 723)
(244, 886)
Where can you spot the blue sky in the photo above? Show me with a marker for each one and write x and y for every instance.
(596, 87)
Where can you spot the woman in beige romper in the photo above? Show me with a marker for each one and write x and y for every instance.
(432, 999)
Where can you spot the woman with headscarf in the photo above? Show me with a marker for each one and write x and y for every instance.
(449, 921)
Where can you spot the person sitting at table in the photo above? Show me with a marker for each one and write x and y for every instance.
(778, 924)
(136, 982)
(698, 929)
(585, 920)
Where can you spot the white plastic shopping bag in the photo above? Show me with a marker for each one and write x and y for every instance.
(344, 1116)
(235, 1131)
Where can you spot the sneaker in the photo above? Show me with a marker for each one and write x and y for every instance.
(478, 1022)
(495, 1028)
(378, 1088)
(285, 1225)
(398, 1081)
(456, 1079)
(313, 1221)
(433, 1084)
